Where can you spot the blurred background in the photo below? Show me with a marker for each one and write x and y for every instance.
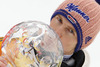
(16, 11)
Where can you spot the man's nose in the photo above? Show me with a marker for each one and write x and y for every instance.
(59, 31)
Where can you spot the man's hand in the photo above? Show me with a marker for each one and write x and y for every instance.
(3, 62)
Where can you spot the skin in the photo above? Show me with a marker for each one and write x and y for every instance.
(3, 62)
(66, 32)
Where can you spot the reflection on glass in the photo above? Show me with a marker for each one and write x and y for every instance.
(32, 44)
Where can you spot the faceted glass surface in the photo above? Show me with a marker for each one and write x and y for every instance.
(32, 44)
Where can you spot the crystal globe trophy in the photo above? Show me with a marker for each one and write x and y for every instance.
(32, 44)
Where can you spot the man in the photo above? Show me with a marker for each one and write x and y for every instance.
(77, 23)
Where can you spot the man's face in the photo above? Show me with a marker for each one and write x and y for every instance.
(66, 32)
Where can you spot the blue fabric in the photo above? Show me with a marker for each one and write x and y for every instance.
(98, 1)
